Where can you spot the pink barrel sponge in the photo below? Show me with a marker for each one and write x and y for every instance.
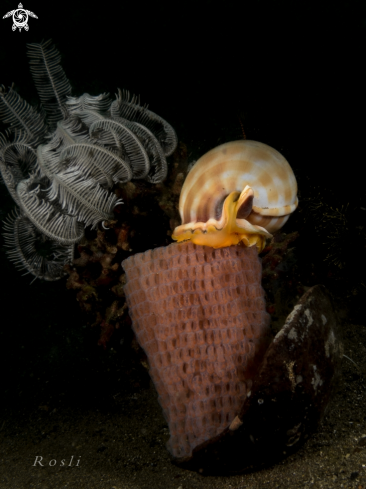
(199, 314)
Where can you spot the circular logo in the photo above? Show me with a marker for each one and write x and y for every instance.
(20, 18)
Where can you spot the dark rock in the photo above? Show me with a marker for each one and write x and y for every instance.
(289, 396)
(354, 475)
(362, 441)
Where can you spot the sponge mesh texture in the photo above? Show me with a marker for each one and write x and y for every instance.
(199, 314)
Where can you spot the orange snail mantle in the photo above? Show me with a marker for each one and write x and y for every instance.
(241, 191)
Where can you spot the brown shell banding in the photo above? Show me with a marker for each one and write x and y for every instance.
(231, 167)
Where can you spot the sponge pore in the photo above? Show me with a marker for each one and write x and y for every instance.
(199, 314)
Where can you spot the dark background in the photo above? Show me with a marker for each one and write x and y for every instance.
(293, 72)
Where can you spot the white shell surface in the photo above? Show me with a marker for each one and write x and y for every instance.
(230, 167)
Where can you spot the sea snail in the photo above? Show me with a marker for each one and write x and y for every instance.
(241, 191)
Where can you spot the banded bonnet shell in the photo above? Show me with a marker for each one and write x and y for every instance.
(238, 191)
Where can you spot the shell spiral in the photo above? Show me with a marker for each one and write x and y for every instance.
(238, 191)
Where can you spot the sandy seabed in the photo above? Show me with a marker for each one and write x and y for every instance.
(119, 441)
